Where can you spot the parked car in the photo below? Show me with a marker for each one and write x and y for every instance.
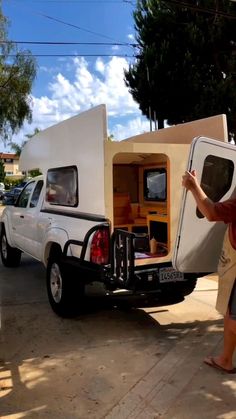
(2, 190)
(10, 197)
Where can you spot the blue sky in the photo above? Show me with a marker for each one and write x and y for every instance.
(66, 86)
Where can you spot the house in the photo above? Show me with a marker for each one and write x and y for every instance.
(11, 164)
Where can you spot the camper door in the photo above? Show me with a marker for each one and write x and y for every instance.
(198, 242)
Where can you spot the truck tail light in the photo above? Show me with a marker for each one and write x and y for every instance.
(99, 252)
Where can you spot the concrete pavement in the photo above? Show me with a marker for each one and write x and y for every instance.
(143, 363)
(180, 386)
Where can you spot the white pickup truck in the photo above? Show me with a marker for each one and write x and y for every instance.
(25, 227)
(99, 207)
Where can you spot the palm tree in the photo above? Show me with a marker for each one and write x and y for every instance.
(17, 148)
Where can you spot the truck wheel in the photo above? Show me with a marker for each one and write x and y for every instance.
(65, 292)
(10, 256)
(188, 286)
(179, 289)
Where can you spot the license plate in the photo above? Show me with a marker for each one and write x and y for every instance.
(170, 275)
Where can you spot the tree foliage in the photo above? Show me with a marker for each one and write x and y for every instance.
(17, 148)
(2, 171)
(17, 73)
(186, 62)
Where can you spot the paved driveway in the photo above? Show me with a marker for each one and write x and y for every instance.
(114, 361)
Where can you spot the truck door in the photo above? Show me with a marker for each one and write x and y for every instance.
(25, 219)
(198, 241)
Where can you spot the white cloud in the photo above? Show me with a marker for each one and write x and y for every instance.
(82, 85)
(86, 88)
(100, 66)
(49, 70)
(131, 37)
(66, 88)
(134, 126)
(115, 48)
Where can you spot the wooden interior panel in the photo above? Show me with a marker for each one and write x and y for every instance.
(122, 208)
(125, 179)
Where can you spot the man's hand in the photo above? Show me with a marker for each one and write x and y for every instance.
(204, 204)
(189, 180)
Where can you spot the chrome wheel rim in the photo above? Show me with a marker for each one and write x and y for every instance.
(4, 247)
(56, 282)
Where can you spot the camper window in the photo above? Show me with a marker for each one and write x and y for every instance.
(216, 178)
(62, 186)
(154, 184)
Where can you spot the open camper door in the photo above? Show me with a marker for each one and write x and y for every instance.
(198, 241)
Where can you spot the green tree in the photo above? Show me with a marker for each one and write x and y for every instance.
(2, 171)
(17, 148)
(186, 63)
(17, 73)
(111, 137)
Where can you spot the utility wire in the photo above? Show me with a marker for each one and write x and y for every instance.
(83, 1)
(74, 26)
(72, 55)
(70, 43)
(67, 23)
(174, 2)
(201, 9)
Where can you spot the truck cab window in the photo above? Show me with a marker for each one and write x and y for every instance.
(36, 194)
(25, 195)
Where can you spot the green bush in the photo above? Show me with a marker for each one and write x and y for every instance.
(11, 183)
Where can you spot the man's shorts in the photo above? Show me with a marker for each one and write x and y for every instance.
(232, 303)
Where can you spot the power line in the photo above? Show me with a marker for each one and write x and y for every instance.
(84, 1)
(123, 44)
(201, 9)
(71, 55)
(74, 26)
(67, 23)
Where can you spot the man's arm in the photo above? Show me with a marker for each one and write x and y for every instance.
(204, 204)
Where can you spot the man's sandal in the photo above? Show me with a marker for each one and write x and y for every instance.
(211, 363)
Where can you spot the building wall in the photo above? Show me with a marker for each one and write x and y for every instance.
(11, 164)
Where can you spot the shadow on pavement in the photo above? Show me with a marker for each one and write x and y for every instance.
(80, 368)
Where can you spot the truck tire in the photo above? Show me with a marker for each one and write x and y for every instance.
(188, 287)
(178, 290)
(65, 291)
(10, 256)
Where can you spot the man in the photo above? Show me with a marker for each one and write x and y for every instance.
(226, 299)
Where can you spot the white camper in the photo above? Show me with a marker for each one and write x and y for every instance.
(105, 210)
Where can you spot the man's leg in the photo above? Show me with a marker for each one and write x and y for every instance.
(225, 359)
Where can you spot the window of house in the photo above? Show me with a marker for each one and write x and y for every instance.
(154, 182)
(216, 178)
(62, 186)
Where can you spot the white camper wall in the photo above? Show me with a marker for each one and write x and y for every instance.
(77, 141)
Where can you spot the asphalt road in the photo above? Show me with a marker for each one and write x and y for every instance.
(117, 360)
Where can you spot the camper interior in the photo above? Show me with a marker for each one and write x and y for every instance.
(141, 200)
